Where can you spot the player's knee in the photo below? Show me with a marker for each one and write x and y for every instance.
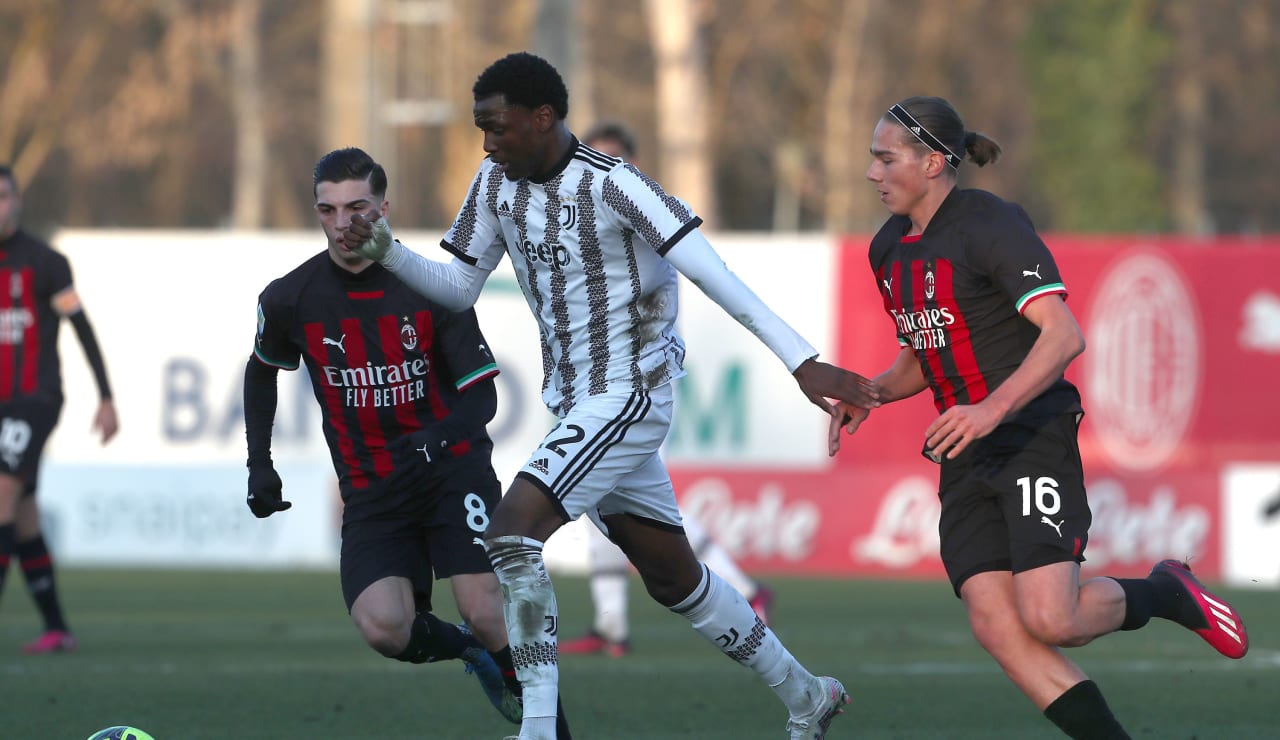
(384, 633)
(1050, 626)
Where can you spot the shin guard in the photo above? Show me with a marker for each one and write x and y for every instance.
(532, 618)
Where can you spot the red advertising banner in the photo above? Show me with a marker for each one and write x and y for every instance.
(1178, 382)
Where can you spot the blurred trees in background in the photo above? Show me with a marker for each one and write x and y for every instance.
(1115, 115)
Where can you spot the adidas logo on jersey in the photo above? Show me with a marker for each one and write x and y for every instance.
(504, 209)
(540, 465)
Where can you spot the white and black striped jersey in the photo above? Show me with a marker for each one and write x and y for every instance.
(587, 244)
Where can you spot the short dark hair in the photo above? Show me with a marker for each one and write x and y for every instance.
(525, 80)
(6, 172)
(351, 163)
(614, 131)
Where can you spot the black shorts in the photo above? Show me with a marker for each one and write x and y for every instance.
(415, 533)
(1015, 500)
(25, 427)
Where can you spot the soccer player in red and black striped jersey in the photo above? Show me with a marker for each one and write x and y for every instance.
(36, 293)
(405, 390)
(980, 313)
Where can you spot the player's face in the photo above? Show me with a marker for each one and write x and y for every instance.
(511, 136)
(336, 203)
(897, 169)
(10, 208)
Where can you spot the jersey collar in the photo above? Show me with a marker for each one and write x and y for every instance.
(564, 162)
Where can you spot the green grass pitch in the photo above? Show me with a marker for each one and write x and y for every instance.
(212, 655)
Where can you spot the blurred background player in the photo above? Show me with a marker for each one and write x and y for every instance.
(608, 570)
(36, 292)
(406, 391)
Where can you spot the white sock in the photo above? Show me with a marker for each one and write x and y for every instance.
(724, 617)
(527, 593)
(610, 572)
(717, 558)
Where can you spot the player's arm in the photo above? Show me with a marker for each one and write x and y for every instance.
(265, 495)
(271, 353)
(694, 257)
(67, 303)
(455, 285)
(476, 407)
(902, 379)
(467, 359)
(1060, 342)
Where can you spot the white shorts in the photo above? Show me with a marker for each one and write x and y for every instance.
(602, 458)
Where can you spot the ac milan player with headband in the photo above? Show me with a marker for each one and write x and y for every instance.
(980, 314)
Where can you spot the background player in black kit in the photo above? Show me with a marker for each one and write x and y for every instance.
(406, 389)
(980, 314)
(36, 293)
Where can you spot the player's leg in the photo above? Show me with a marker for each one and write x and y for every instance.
(37, 568)
(718, 559)
(1005, 551)
(608, 576)
(642, 518)
(529, 602)
(454, 538)
(1053, 683)
(600, 440)
(386, 575)
(10, 491)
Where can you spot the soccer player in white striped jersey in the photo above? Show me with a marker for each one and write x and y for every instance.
(596, 246)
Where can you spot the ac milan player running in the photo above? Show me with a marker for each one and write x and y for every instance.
(405, 390)
(980, 314)
(596, 246)
(36, 293)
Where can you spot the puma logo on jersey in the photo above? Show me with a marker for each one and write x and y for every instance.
(1056, 527)
(1029, 273)
(336, 342)
(888, 285)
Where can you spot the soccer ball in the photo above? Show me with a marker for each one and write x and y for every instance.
(120, 732)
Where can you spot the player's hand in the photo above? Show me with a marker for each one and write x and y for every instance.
(369, 236)
(848, 418)
(265, 491)
(820, 381)
(417, 447)
(412, 456)
(105, 420)
(957, 427)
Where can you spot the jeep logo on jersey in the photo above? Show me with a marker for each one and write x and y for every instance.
(1143, 364)
(408, 335)
(555, 255)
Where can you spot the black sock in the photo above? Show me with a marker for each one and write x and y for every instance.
(6, 550)
(503, 659)
(37, 568)
(1170, 600)
(433, 639)
(1083, 714)
(1139, 602)
(562, 724)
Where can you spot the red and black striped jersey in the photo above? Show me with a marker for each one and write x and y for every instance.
(383, 360)
(31, 274)
(956, 294)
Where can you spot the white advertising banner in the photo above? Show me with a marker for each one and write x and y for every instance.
(176, 323)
